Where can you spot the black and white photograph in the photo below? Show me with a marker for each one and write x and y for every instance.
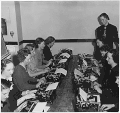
(60, 56)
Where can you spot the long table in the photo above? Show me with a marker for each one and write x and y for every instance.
(65, 93)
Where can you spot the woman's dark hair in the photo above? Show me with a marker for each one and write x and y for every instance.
(49, 40)
(105, 48)
(100, 39)
(4, 63)
(30, 45)
(39, 40)
(104, 15)
(5, 84)
(22, 53)
(115, 55)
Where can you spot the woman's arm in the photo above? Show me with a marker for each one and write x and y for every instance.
(43, 66)
(39, 61)
(45, 61)
(22, 99)
(40, 71)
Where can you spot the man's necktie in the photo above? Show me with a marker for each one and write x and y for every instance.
(104, 32)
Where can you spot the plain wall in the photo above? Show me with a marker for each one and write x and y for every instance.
(66, 20)
(61, 19)
(79, 47)
(8, 13)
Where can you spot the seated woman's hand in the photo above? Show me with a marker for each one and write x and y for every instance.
(21, 107)
(50, 61)
(32, 91)
(97, 88)
(106, 107)
(46, 70)
(41, 81)
(31, 95)
(100, 65)
(28, 92)
(96, 83)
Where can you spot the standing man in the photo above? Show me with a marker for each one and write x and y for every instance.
(107, 31)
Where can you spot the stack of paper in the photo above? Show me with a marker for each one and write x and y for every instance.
(61, 70)
(65, 54)
(52, 86)
(77, 72)
(85, 63)
(83, 94)
(39, 107)
(62, 60)
(46, 108)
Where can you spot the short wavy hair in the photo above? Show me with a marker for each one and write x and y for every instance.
(4, 64)
(30, 45)
(49, 40)
(39, 40)
(105, 48)
(22, 53)
(104, 15)
(115, 55)
(5, 84)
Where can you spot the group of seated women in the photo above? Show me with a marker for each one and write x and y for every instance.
(108, 82)
(19, 82)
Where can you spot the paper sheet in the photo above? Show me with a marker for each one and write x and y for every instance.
(62, 60)
(92, 78)
(52, 86)
(85, 62)
(83, 94)
(77, 72)
(65, 54)
(61, 70)
(104, 110)
(39, 107)
(46, 108)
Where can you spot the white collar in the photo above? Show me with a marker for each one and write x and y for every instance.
(10, 78)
